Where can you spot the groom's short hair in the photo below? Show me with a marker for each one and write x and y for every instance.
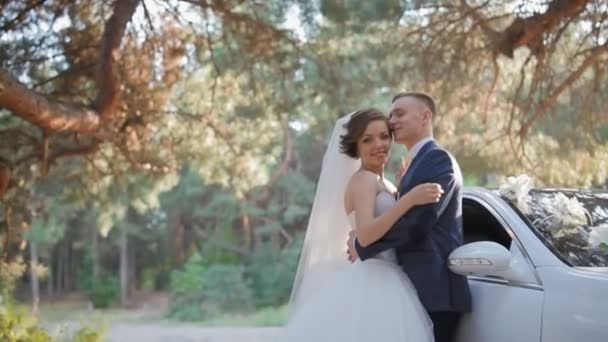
(425, 98)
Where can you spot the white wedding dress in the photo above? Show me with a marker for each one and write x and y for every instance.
(365, 301)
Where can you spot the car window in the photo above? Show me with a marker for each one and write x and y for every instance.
(577, 246)
(480, 225)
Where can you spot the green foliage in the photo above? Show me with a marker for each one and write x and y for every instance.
(149, 276)
(206, 291)
(102, 292)
(225, 288)
(267, 317)
(472, 180)
(199, 291)
(270, 316)
(87, 335)
(47, 230)
(186, 288)
(603, 132)
(14, 329)
(361, 12)
(83, 334)
(133, 191)
(271, 272)
(85, 275)
(10, 272)
(16, 325)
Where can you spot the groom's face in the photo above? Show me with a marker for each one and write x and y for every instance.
(407, 119)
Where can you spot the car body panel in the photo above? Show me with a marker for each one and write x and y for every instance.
(576, 305)
(540, 298)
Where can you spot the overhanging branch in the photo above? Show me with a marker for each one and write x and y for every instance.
(529, 31)
(43, 112)
(107, 69)
(56, 116)
(548, 103)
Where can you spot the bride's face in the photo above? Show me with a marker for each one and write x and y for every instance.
(375, 144)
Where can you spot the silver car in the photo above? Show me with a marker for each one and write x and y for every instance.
(527, 282)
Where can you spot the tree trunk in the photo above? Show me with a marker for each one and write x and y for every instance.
(178, 238)
(95, 254)
(124, 270)
(5, 177)
(6, 243)
(59, 277)
(170, 237)
(66, 268)
(132, 269)
(49, 282)
(34, 276)
(247, 230)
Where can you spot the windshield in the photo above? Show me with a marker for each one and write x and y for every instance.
(578, 245)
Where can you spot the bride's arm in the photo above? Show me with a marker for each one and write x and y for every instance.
(370, 228)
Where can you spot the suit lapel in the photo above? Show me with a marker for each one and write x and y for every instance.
(405, 185)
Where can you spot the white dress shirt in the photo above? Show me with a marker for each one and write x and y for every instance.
(413, 152)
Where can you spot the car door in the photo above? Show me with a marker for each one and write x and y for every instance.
(576, 304)
(507, 306)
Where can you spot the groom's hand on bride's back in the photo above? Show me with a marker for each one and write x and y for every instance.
(351, 251)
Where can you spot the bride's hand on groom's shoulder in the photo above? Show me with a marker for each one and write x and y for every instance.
(351, 251)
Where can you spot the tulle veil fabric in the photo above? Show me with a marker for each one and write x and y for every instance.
(324, 248)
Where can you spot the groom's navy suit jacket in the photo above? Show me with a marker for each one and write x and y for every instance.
(425, 236)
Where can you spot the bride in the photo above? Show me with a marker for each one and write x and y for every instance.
(333, 299)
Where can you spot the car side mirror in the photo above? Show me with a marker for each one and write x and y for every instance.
(482, 258)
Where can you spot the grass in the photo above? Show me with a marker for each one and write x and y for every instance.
(75, 310)
(266, 317)
(60, 314)
(72, 319)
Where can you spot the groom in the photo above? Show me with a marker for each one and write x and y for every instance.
(425, 236)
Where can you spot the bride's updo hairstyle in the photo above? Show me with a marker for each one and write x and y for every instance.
(355, 128)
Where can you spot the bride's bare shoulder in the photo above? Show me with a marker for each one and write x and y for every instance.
(362, 179)
(360, 183)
